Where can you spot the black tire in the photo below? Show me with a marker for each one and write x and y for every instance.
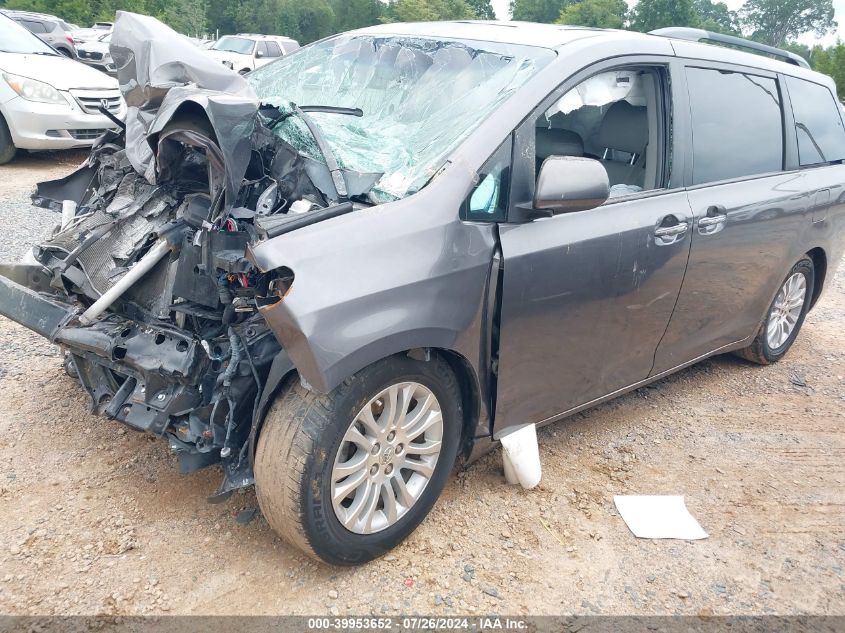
(759, 351)
(7, 146)
(298, 445)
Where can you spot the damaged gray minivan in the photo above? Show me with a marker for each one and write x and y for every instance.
(384, 252)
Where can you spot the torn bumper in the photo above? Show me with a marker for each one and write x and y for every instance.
(30, 308)
(153, 379)
(135, 373)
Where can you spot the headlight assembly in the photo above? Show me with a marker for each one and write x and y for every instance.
(33, 90)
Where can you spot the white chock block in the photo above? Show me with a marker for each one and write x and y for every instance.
(521, 457)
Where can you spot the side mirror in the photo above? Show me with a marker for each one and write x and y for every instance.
(570, 183)
(259, 54)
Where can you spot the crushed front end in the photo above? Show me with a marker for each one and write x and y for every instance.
(146, 285)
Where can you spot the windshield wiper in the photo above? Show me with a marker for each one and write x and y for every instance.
(332, 110)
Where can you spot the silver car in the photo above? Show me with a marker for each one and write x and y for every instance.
(95, 53)
(49, 29)
(48, 101)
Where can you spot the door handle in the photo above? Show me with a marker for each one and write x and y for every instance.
(670, 231)
(714, 221)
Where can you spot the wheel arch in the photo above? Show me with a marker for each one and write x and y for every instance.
(819, 259)
(283, 373)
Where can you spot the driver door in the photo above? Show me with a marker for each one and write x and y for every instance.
(587, 296)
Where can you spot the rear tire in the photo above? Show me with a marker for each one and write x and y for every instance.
(7, 146)
(299, 450)
(771, 343)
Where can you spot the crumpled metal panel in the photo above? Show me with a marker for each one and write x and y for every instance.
(160, 71)
(232, 118)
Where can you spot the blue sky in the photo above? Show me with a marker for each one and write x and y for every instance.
(502, 6)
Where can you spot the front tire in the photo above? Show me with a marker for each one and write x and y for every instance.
(7, 146)
(784, 317)
(347, 476)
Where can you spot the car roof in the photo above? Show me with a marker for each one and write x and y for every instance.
(13, 13)
(552, 36)
(260, 36)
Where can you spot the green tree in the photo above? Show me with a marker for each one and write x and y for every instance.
(648, 15)
(831, 61)
(607, 14)
(356, 14)
(716, 17)
(222, 15)
(774, 22)
(305, 20)
(74, 11)
(185, 16)
(482, 8)
(538, 10)
(428, 10)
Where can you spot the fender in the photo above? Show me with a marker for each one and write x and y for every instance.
(280, 368)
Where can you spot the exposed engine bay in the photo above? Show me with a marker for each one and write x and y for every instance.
(162, 325)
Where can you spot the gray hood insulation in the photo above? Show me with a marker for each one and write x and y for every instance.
(159, 72)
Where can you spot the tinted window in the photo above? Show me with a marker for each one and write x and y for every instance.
(818, 125)
(35, 27)
(737, 127)
(262, 48)
(273, 50)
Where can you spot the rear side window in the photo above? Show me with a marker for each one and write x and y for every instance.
(737, 125)
(33, 26)
(273, 50)
(818, 124)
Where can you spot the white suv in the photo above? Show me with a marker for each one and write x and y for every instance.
(48, 101)
(247, 51)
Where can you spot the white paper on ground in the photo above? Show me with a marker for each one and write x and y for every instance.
(663, 516)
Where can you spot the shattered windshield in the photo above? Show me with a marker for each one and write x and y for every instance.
(420, 98)
(239, 45)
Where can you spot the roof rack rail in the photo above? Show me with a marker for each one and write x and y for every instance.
(700, 35)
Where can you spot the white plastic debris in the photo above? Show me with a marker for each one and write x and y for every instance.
(68, 213)
(521, 457)
(656, 516)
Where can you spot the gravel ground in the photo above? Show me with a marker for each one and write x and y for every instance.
(99, 521)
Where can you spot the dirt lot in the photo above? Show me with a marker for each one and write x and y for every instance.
(97, 520)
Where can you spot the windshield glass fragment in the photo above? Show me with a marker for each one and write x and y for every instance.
(410, 122)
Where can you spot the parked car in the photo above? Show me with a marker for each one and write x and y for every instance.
(246, 51)
(48, 28)
(96, 54)
(90, 34)
(48, 101)
(404, 243)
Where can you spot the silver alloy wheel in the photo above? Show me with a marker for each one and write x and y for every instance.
(386, 458)
(786, 310)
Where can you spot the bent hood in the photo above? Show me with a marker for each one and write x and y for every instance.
(159, 71)
(57, 70)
